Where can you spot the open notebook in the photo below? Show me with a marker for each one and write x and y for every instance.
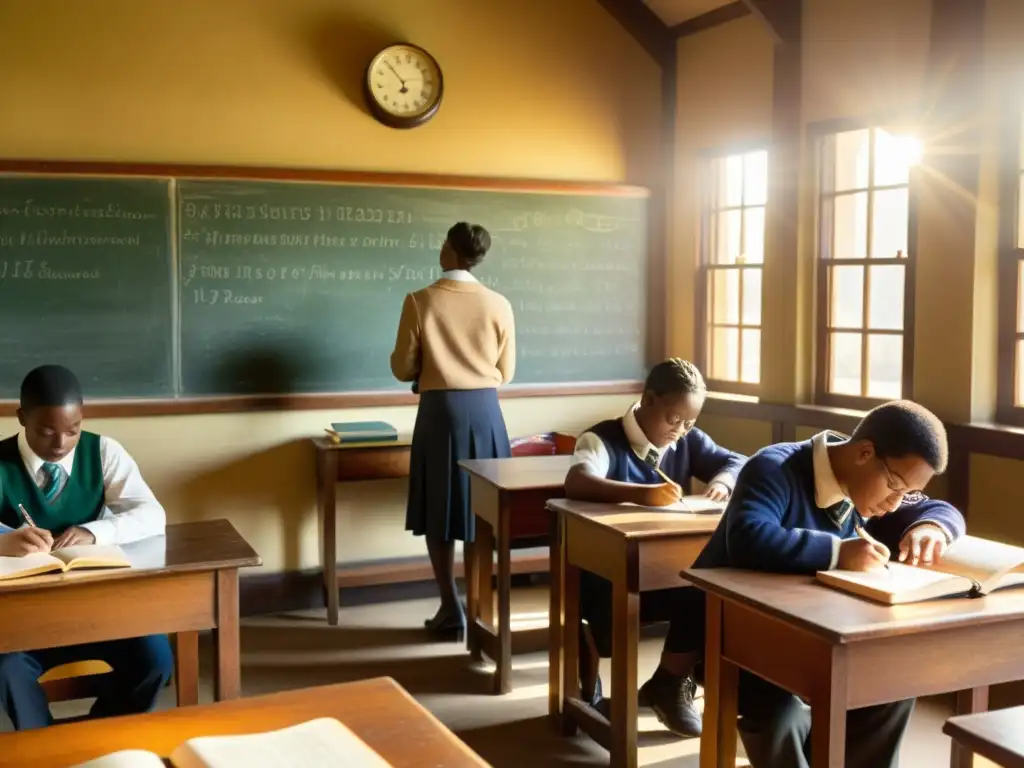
(66, 559)
(971, 566)
(696, 505)
(322, 742)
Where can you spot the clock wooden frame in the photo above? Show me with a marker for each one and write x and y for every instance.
(398, 121)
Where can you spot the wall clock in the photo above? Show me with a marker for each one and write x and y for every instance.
(403, 86)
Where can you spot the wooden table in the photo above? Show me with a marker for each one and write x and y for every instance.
(842, 652)
(180, 583)
(997, 736)
(362, 462)
(508, 499)
(378, 711)
(637, 550)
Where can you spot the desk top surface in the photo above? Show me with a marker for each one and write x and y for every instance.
(521, 472)
(636, 522)
(997, 736)
(378, 711)
(208, 545)
(842, 617)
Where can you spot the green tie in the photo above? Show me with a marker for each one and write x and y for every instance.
(54, 474)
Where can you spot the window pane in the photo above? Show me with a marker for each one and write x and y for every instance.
(894, 156)
(750, 366)
(751, 296)
(845, 363)
(753, 234)
(730, 181)
(885, 300)
(851, 160)
(846, 309)
(1020, 214)
(1020, 295)
(885, 367)
(755, 178)
(891, 221)
(727, 245)
(725, 298)
(850, 222)
(1020, 378)
(725, 354)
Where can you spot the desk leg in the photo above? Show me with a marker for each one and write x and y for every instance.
(625, 636)
(570, 637)
(503, 674)
(483, 572)
(555, 610)
(967, 703)
(326, 491)
(186, 668)
(721, 678)
(828, 715)
(228, 676)
(470, 566)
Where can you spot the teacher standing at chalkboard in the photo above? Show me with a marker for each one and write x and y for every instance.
(456, 342)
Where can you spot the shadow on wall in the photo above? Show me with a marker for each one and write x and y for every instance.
(275, 487)
(342, 45)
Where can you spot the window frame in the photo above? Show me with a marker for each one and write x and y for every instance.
(820, 134)
(706, 266)
(1011, 259)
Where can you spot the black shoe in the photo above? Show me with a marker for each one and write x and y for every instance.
(671, 698)
(448, 623)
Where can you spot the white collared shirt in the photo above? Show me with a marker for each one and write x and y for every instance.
(593, 454)
(131, 511)
(459, 276)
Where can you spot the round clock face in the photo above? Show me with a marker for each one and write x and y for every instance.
(404, 85)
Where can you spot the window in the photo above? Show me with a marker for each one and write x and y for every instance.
(1010, 404)
(865, 267)
(732, 254)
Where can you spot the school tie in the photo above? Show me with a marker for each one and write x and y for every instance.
(839, 511)
(652, 458)
(54, 475)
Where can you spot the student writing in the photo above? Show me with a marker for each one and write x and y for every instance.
(628, 460)
(79, 488)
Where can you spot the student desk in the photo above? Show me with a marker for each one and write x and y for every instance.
(180, 583)
(842, 652)
(508, 498)
(378, 711)
(637, 550)
(996, 736)
(373, 461)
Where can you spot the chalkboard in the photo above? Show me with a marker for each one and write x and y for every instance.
(166, 285)
(85, 281)
(298, 287)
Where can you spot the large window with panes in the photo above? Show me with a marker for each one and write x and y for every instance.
(1010, 401)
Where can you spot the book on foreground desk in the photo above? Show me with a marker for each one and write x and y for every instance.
(971, 566)
(322, 742)
(66, 559)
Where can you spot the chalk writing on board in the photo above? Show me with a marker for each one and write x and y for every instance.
(32, 209)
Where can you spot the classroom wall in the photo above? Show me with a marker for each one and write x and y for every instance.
(533, 88)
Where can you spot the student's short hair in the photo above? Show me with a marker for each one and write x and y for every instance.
(470, 243)
(675, 376)
(903, 428)
(50, 386)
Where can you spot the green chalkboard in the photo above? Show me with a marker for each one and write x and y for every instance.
(297, 287)
(86, 281)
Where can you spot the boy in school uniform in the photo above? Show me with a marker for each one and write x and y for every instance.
(618, 461)
(795, 509)
(78, 488)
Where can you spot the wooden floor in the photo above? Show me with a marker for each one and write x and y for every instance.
(299, 650)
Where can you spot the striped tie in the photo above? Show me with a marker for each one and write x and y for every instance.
(652, 458)
(54, 476)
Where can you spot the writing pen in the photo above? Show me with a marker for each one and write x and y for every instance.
(27, 516)
(872, 541)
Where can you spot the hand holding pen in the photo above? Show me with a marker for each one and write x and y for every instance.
(25, 540)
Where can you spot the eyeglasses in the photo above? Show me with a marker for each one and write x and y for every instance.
(906, 495)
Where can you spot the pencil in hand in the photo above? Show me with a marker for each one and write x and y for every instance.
(879, 546)
(27, 517)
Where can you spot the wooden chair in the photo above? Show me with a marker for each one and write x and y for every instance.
(78, 680)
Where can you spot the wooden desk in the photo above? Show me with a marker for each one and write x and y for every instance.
(180, 583)
(508, 499)
(637, 550)
(361, 462)
(997, 736)
(842, 652)
(378, 711)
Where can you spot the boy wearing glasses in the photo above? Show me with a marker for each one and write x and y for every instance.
(795, 509)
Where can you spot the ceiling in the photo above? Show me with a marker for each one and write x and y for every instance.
(673, 12)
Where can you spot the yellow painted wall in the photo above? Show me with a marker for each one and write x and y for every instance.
(533, 88)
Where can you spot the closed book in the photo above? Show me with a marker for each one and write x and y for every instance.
(362, 432)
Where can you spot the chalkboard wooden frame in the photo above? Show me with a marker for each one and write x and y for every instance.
(285, 402)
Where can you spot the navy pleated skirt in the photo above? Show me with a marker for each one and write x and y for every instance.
(451, 425)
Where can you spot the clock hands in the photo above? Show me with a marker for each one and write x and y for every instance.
(404, 88)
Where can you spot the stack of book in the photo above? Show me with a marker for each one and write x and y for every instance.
(362, 433)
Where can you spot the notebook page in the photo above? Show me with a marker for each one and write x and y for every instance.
(979, 559)
(36, 562)
(97, 553)
(318, 742)
(129, 758)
